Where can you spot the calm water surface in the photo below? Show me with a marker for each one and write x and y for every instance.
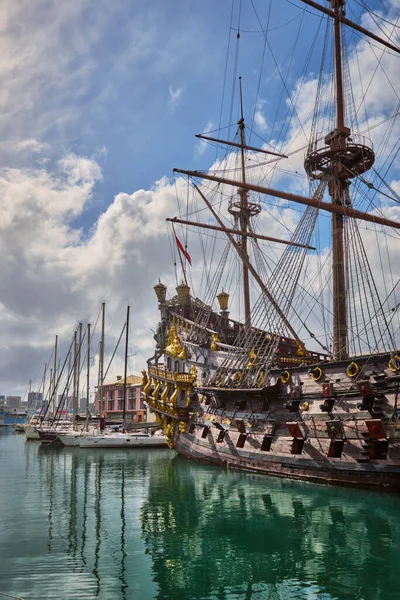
(148, 524)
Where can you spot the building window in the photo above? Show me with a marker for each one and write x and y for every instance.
(111, 405)
(131, 404)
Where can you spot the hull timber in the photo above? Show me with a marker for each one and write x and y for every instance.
(327, 422)
(313, 466)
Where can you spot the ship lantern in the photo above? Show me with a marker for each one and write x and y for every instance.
(161, 291)
(183, 291)
(223, 299)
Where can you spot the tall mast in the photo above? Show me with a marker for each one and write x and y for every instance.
(101, 359)
(244, 217)
(54, 387)
(78, 371)
(126, 362)
(87, 377)
(338, 161)
(242, 211)
(74, 395)
(338, 190)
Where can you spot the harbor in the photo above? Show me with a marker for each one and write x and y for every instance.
(152, 525)
(200, 300)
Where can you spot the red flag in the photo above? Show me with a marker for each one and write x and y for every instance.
(182, 249)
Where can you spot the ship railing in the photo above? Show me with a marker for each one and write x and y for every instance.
(319, 145)
(164, 373)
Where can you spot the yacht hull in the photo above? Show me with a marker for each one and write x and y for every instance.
(123, 441)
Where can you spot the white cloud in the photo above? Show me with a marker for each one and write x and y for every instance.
(32, 145)
(51, 276)
(174, 97)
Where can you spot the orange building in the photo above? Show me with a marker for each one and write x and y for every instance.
(113, 399)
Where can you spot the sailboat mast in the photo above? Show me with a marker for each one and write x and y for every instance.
(338, 190)
(78, 371)
(126, 364)
(244, 214)
(74, 403)
(101, 359)
(54, 387)
(87, 377)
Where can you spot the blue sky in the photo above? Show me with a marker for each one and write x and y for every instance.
(99, 101)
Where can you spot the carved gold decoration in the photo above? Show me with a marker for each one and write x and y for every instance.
(215, 339)
(174, 347)
(182, 427)
(174, 395)
(252, 360)
(300, 349)
(148, 383)
(193, 373)
(156, 389)
(169, 431)
(145, 378)
(164, 394)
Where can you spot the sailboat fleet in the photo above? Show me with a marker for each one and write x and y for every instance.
(53, 423)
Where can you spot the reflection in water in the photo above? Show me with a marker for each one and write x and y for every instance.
(121, 525)
(71, 523)
(216, 534)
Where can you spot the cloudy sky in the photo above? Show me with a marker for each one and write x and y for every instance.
(99, 101)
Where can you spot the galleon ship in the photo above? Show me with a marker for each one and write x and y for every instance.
(291, 368)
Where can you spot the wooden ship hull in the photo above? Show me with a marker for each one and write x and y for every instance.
(326, 422)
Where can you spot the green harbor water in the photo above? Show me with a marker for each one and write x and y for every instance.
(126, 524)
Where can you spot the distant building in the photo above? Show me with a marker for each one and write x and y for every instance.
(14, 401)
(82, 405)
(113, 399)
(35, 400)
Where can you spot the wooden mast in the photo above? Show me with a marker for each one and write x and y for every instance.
(338, 190)
(252, 270)
(243, 215)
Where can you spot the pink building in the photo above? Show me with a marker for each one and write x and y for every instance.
(113, 399)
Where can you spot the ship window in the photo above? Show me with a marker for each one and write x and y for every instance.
(176, 368)
(192, 428)
(169, 363)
